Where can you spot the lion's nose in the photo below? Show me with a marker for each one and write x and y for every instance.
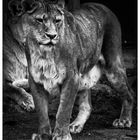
(51, 36)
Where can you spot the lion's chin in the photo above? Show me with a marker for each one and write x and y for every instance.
(46, 47)
(49, 45)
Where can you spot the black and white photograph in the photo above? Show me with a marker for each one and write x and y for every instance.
(69, 70)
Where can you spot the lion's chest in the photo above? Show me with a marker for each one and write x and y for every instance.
(49, 74)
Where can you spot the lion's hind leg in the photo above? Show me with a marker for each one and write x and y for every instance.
(17, 92)
(117, 77)
(84, 111)
(115, 71)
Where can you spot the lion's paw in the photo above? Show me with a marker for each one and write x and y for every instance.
(76, 127)
(27, 103)
(60, 137)
(122, 123)
(36, 137)
(41, 137)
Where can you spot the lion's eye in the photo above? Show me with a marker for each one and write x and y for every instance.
(40, 20)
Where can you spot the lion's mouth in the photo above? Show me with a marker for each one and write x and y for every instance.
(48, 43)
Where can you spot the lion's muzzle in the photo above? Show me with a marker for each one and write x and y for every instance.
(51, 35)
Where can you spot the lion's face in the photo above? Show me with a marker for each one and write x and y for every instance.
(45, 25)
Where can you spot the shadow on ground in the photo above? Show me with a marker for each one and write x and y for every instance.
(19, 126)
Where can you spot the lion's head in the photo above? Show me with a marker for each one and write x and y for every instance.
(42, 21)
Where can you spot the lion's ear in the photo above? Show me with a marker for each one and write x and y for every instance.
(15, 8)
(61, 3)
(30, 5)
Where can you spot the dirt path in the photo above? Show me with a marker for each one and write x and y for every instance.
(19, 126)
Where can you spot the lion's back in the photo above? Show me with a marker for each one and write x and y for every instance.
(97, 27)
(94, 15)
(90, 21)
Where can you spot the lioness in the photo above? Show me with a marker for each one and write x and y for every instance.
(15, 72)
(67, 53)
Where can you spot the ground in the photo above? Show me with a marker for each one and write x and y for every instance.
(98, 127)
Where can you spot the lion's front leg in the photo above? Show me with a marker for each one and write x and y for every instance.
(41, 103)
(67, 98)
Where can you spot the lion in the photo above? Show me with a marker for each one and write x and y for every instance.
(67, 53)
(15, 72)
